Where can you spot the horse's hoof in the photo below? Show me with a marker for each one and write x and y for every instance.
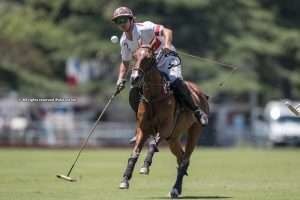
(144, 170)
(174, 194)
(124, 185)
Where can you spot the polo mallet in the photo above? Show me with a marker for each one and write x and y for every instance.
(292, 108)
(233, 68)
(67, 177)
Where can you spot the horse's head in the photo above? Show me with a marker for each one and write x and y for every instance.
(145, 60)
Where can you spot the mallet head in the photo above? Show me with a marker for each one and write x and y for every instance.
(66, 178)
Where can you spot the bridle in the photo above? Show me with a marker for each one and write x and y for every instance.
(146, 85)
(149, 69)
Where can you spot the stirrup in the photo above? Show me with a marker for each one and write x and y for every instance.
(201, 117)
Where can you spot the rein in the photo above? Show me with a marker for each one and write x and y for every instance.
(151, 68)
(163, 85)
(144, 72)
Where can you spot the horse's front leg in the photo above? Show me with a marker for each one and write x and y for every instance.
(140, 140)
(152, 149)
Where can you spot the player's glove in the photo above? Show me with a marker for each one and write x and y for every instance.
(120, 85)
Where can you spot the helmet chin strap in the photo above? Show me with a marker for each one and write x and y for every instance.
(130, 26)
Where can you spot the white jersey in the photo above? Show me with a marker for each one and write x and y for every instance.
(142, 33)
(145, 33)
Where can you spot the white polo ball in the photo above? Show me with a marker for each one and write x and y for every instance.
(114, 39)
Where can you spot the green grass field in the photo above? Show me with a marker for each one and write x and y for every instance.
(27, 174)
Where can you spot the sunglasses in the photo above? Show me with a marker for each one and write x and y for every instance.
(121, 20)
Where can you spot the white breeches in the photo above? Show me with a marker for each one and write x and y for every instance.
(171, 66)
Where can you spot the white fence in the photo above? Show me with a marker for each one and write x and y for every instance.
(42, 134)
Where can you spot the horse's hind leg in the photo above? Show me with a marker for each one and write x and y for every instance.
(140, 140)
(152, 149)
(192, 138)
(176, 149)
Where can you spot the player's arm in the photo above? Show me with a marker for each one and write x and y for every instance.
(123, 69)
(168, 35)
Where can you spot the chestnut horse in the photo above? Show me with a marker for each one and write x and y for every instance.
(160, 116)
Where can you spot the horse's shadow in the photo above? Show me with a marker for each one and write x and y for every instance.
(194, 197)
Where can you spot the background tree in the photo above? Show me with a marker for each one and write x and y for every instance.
(261, 36)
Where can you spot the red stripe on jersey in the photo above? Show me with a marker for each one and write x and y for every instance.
(157, 30)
